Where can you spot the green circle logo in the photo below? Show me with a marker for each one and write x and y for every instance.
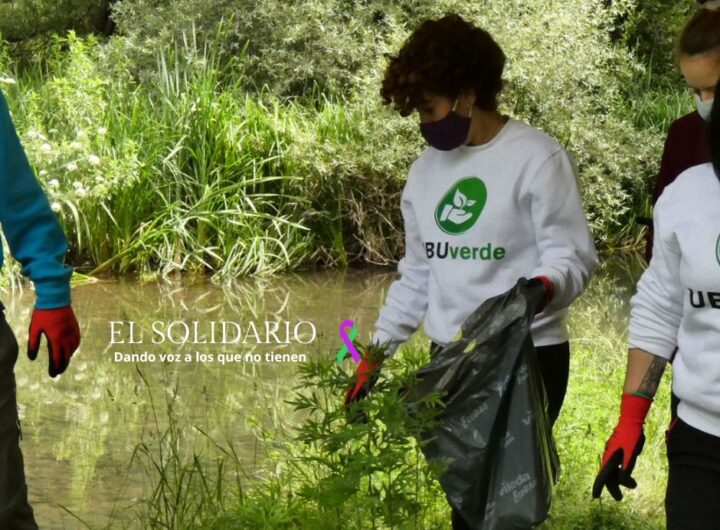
(461, 206)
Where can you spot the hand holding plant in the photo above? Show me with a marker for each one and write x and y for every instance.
(367, 372)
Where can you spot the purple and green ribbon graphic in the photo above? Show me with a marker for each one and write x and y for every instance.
(347, 341)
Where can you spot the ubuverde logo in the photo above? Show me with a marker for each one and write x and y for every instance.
(456, 213)
(461, 206)
(717, 250)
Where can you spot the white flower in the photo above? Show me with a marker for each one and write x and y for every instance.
(54, 183)
(94, 160)
(45, 148)
(42, 172)
(32, 134)
(101, 131)
(7, 80)
(75, 145)
(72, 166)
(79, 188)
(55, 206)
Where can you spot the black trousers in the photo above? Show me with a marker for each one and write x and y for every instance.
(692, 498)
(554, 362)
(15, 511)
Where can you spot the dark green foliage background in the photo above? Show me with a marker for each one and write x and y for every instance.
(162, 129)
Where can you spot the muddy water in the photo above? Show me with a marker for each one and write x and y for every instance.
(81, 430)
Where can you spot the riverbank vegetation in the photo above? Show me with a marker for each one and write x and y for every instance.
(247, 138)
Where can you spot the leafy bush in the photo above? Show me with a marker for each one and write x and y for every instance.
(651, 29)
(566, 74)
(21, 20)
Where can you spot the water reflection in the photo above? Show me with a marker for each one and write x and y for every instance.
(80, 431)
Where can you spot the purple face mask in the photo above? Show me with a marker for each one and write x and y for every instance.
(449, 132)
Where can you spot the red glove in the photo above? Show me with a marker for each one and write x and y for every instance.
(365, 377)
(540, 292)
(623, 447)
(549, 292)
(62, 333)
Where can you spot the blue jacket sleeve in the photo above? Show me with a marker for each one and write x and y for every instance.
(31, 228)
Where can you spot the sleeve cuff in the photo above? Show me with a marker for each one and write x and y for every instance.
(51, 295)
(658, 348)
(382, 338)
(549, 276)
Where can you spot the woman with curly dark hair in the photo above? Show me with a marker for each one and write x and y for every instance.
(491, 200)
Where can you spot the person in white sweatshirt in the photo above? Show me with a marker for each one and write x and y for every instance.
(677, 307)
(491, 200)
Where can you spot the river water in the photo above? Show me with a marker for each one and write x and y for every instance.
(80, 431)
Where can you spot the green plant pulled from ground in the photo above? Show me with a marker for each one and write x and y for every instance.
(357, 467)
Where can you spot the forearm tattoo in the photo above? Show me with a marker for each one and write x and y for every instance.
(652, 378)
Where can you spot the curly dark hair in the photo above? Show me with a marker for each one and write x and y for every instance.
(444, 57)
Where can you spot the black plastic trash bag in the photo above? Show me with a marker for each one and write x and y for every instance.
(494, 427)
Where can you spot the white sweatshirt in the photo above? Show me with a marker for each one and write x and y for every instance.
(677, 303)
(477, 218)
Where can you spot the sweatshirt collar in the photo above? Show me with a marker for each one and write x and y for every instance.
(487, 145)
